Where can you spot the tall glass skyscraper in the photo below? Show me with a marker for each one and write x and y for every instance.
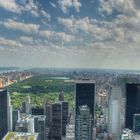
(132, 103)
(5, 113)
(84, 96)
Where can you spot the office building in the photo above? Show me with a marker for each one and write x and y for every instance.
(25, 124)
(136, 124)
(5, 113)
(16, 117)
(40, 128)
(115, 126)
(61, 96)
(70, 132)
(84, 96)
(37, 111)
(48, 114)
(84, 125)
(23, 108)
(65, 108)
(27, 105)
(132, 103)
(57, 121)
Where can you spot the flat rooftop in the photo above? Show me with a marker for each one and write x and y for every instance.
(20, 136)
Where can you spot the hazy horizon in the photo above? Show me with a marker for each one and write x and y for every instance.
(102, 34)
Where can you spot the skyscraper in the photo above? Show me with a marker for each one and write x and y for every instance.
(61, 96)
(16, 117)
(40, 128)
(115, 113)
(5, 113)
(136, 124)
(25, 124)
(64, 117)
(70, 132)
(27, 105)
(37, 111)
(85, 93)
(48, 114)
(84, 124)
(57, 121)
(132, 103)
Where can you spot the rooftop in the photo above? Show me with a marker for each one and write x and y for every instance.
(20, 136)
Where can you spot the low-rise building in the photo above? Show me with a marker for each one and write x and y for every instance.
(20, 136)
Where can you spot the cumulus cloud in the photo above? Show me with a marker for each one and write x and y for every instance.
(46, 33)
(52, 4)
(28, 6)
(27, 39)
(56, 35)
(73, 24)
(45, 14)
(63, 36)
(87, 26)
(127, 7)
(66, 4)
(21, 26)
(31, 7)
(10, 5)
(8, 42)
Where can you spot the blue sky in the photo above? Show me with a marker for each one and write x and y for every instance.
(70, 33)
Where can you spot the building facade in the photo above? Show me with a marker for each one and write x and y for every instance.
(5, 113)
(85, 95)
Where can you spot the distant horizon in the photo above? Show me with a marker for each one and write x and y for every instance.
(114, 69)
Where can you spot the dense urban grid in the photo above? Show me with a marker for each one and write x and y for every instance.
(106, 107)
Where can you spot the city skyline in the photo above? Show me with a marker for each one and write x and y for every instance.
(70, 33)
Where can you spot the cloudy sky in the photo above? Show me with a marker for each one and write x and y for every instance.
(70, 33)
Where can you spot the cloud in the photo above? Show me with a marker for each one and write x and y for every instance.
(26, 39)
(87, 26)
(63, 36)
(45, 14)
(10, 5)
(20, 26)
(7, 42)
(52, 4)
(67, 22)
(46, 33)
(74, 24)
(56, 35)
(66, 4)
(31, 7)
(127, 7)
(34, 9)
(28, 6)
